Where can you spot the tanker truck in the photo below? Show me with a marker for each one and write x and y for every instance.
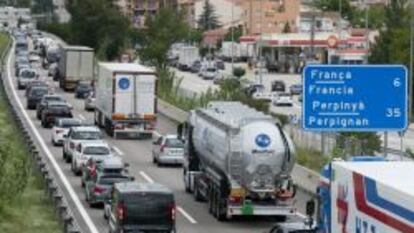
(239, 160)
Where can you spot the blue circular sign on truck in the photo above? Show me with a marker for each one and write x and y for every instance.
(123, 83)
(263, 140)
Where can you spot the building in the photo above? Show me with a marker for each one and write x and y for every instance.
(149, 8)
(223, 10)
(364, 3)
(9, 16)
(125, 7)
(270, 16)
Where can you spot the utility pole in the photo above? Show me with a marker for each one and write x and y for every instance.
(312, 34)
(260, 43)
(232, 36)
(410, 97)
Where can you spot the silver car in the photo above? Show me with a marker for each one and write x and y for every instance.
(90, 102)
(168, 149)
(25, 77)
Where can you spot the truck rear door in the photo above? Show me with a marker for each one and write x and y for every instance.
(145, 92)
(86, 65)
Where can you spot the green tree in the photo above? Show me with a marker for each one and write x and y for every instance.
(166, 28)
(355, 143)
(237, 33)
(208, 19)
(286, 28)
(95, 23)
(347, 9)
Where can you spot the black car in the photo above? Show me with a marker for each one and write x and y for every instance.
(83, 90)
(44, 101)
(35, 94)
(253, 88)
(54, 110)
(141, 207)
(220, 65)
(195, 68)
(278, 86)
(36, 83)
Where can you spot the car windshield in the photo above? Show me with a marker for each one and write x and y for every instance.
(96, 150)
(69, 123)
(148, 208)
(284, 95)
(54, 98)
(174, 143)
(39, 91)
(58, 108)
(87, 135)
(28, 74)
(110, 180)
(211, 69)
(84, 86)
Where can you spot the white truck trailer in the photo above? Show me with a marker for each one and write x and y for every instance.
(239, 160)
(76, 64)
(187, 55)
(125, 99)
(362, 195)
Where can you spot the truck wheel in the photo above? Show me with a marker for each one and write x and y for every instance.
(63, 154)
(197, 195)
(186, 182)
(219, 208)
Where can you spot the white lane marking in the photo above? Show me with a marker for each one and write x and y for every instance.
(186, 215)
(179, 208)
(146, 177)
(301, 215)
(118, 151)
(68, 186)
(81, 117)
(156, 134)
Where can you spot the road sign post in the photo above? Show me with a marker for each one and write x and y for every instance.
(365, 98)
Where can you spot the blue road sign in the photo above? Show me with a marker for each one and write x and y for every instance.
(355, 98)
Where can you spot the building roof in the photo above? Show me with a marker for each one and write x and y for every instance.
(126, 67)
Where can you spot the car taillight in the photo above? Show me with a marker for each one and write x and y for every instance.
(150, 125)
(119, 126)
(235, 199)
(172, 211)
(98, 190)
(162, 148)
(72, 145)
(59, 131)
(121, 211)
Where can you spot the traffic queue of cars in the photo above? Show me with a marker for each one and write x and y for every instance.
(128, 205)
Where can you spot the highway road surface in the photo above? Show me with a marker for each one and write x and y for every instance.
(192, 217)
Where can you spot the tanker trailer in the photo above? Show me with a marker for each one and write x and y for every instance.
(239, 160)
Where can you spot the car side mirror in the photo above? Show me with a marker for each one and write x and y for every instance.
(65, 136)
(126, 165)
(154, 143)
(132, 178)
(310, 208)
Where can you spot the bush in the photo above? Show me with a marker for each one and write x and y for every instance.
(239, 72)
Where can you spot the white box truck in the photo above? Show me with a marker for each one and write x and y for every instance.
(187, 55)
(125, 99)
(362, 195)
(76, 65)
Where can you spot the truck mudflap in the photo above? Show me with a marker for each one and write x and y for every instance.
(260, 210)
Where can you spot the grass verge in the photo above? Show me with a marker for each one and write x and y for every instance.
(311, 159)
(24, 207)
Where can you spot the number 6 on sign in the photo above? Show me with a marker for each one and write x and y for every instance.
(397, 82)
(393, 112)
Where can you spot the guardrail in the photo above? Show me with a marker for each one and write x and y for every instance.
(52, 187)
(305, 179)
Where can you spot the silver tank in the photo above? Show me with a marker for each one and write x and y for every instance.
(244, 144)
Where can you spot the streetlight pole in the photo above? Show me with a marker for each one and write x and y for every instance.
(312, 33)
(411, 64)
(260, 43)
(232, 36)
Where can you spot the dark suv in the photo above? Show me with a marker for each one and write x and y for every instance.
(55, 110)
(35, 95)
(141, 207)
(45, 100)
